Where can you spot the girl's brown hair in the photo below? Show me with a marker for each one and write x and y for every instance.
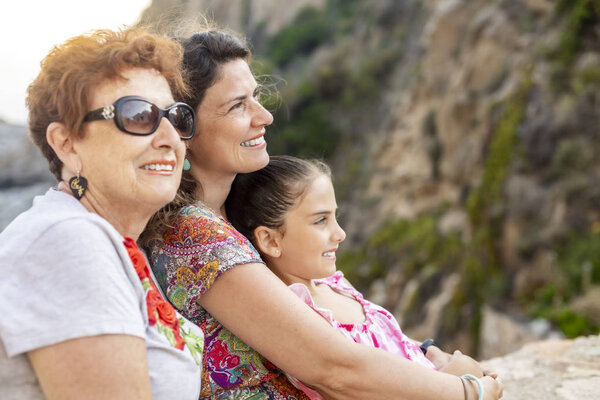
(263, 197)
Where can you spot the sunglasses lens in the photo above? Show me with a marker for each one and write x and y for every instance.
(182, 119)
(138, 116)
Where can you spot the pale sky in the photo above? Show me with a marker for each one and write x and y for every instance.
(29, 29)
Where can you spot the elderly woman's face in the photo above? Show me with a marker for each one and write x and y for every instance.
(124, 171)
(231, 124)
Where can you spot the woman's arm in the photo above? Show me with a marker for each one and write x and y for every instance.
(258, 308)
(95, 368)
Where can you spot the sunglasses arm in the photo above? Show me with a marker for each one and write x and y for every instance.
(106, 112)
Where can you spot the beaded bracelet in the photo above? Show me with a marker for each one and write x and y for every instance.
(473, 378)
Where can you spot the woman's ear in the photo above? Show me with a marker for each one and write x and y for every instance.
(61, 141)
(267, 241)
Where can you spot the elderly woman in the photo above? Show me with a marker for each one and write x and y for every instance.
(80, 316)
(214, 276)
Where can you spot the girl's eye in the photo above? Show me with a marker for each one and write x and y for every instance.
(320, 221)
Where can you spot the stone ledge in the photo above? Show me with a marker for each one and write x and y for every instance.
(551, 370)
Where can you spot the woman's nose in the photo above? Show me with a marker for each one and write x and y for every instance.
(262, 116)
(166, 135)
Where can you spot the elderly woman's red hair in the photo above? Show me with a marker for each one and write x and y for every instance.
(61, 92)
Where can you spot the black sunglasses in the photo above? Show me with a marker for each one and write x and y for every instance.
(138, 116)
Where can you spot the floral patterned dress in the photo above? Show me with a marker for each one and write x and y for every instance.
(192, 255)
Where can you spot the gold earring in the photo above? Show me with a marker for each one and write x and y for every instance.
(78, 185)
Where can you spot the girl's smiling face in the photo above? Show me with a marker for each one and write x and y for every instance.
(310, 236)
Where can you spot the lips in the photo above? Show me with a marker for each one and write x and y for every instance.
(329, 253)
(257, 141)
(159, 166)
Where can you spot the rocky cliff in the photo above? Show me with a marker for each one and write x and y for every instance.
(492, 152)
(252, 18)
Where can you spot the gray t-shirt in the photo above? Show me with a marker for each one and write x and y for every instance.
(65, 274)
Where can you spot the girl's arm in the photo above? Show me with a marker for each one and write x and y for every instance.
(96, 367)
(258, 308)
(457, 363)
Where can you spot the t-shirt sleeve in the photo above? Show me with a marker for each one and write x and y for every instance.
(196, 251)
(70, 282)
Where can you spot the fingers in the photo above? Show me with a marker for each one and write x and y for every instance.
(437, 357)
(501, 386)
(494, 387)
(490, 373)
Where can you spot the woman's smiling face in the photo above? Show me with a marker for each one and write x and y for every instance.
(230, 125)
(128, 173)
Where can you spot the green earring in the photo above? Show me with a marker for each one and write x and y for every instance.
(186, 164)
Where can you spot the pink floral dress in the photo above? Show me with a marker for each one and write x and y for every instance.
(379, 329)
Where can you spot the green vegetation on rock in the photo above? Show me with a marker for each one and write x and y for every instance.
(413, 245)
(580, 16)
(308, 31)
(579, 268)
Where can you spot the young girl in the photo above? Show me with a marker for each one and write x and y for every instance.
(288, 211)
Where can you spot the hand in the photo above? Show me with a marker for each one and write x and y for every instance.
(460, 364)
(492, 387)
(437, 357)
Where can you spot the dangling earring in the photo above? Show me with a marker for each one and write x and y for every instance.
(186, 164)
(78, 185)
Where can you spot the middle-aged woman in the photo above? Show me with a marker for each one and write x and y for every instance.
(216, 278)
(80, 317)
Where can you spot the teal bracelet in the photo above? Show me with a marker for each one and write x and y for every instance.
(475, 379)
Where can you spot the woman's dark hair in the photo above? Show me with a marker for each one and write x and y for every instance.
(263, 197)
(204, 54)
